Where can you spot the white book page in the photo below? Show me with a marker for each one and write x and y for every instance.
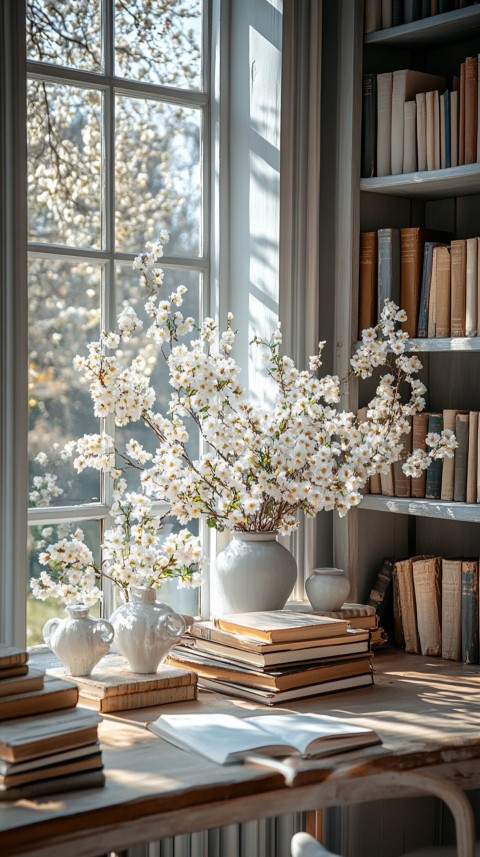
(305, 730)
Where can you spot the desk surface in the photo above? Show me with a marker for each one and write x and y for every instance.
(424, 709)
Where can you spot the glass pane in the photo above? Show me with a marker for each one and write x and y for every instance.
(64, 164)
(64, 315)
(130, 293)
(39, 538)
(159, 41)
(66, 33)
(157, 174)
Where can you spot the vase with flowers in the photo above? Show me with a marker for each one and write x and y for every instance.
(260, 465)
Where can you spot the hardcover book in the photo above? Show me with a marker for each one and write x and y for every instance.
(278, 626)
(402, 482)
(407, 604)
(419, 433)
(405, 85)
(369, 125)
(409, 137)
(471, 84)
(461, 457)
(40, 735)
(458, 259)
(88, 762)
(32, 680)
(53, 696)
(433, 481)
(412, 244)
(442, 303)
(452, 609)
(470, 612)
(388, 267)
(427, 584)
(380, 597)
(57, 785)
(421, 113)
(471, 287)
(448, 469)
(472, 458)
(384, 122)
(270, 697)
(11, 656)
(423, 309)
(207, 631)
(367, 314)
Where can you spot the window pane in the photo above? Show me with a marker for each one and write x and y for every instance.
(157, 174)
(38, 539)
(130, 293)
(66, 33)
(64, 315)
(64, 164)
(159, 41)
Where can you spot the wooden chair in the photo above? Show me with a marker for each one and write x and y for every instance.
(304, 845)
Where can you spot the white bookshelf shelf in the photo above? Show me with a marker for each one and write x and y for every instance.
(431, 184)
(436, 30)
(422, 508)
(461, 343)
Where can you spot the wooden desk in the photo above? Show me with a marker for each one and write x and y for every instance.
(426, 711)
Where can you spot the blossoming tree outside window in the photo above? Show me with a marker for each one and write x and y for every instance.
(260, 466)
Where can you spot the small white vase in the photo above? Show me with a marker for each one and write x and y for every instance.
(79, 640)
(327, 588)
(146, 629)
(254, 572)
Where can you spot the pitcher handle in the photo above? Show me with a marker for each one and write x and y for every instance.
(174, 624)
(49, 628)
(106, 631)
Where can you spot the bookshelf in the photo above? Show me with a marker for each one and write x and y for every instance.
(447, 199)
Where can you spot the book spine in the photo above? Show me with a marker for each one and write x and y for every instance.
(388, 267)
(454, 128)
(472, 457)
(369, 125)
(443, 291)
(408, 609)
(436, 128)
(451, 609)
(471, 287)
(412, 10)
(384, 122)
(461, 457)
(396, 138)
(470, 638)
(145, 699)
(411, 252)
(433, 482)
(422, 327)
(447, 129)
(443, 156)
(397, 13)
(426, 579)
(419, 433)
(386, 14)
(367, 314)
(381, 593)
(448, 469)
(461, 117)
(458, 259)
(402, 482)
(420, 99)
(372, 16)
(409, 137)
(430, 129)
(470, 110)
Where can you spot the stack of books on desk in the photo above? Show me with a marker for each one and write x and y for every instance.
(273, 657)
(47, 745)
(112, 686)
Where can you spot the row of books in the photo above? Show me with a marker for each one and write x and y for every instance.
(277, 656)
(436, 607)
(412, 121)
(383, 14)
(436, 281)
(454, 479)
(47, 744)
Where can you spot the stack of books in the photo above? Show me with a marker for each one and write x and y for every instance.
(275, 656)
(112, 686)
(47, 745)
(436, 607)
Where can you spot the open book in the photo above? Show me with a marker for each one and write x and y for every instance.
(225, 739)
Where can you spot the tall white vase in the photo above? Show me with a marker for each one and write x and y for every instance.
(146, 629)
(254, 572)
(79, 640)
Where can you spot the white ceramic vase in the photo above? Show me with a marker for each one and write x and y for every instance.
(79, 640)
(327, 588)
(146, 629)
(254, 572)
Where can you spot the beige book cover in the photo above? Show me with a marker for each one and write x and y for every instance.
(427, 584)
(113, 677)
(448, 469)
(458, 261)
(144, 699)
(454, 128)
(472, 457)
(461, 456)
(471, 287)
(407, 604)
(452, 609)
(436, 128)
(405, 85)
(420, 99)
(443, 154)
(419, 433)
(441, 261)
(409, 137)
(386, 482)
(384, 122)
(430, 129)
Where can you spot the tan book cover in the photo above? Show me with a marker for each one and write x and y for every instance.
(441, 261)
(452, 609)
(32, 680)
(409, 137)
(461, 457)
(430, 129)
(471, 287)
(386, 482)
(401, 482)
(144, 699)
(405, 85)
(427, 585)
(448, 469)
(367, 311)
(471, 85)
(454, 128)
(11, 656)
(398, 635)
(443, 152)
(384, 122)
(472, 458)
(205, 630)
(277, 625)
(458, 261)
(53, 696)
(43, 734)
(375, 484)
(407, 604)
(412, 244)
(419, 433)
(420, 99)
(461, 117)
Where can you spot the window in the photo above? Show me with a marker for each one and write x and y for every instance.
(117, 128)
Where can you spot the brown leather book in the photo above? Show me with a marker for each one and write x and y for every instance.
(419, 433)
(407, 604)
(452, 609)
(471, 110)
(427, 585)
(458, 261)
(461, 457)
(448, 469)
(461, 117)
(441, 261)
(412, 241)
(367, 310)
